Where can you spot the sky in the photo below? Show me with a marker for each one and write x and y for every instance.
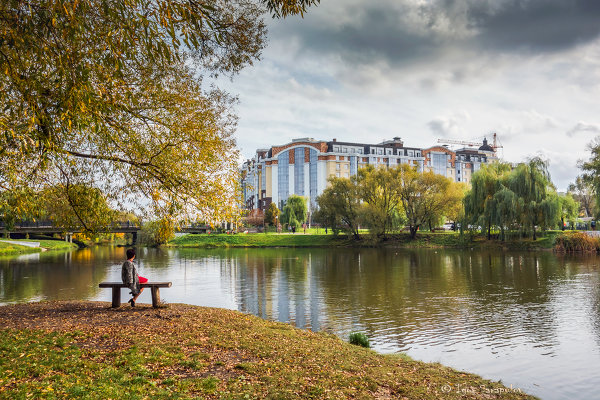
(367, 71)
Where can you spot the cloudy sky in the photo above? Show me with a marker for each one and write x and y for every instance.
(369, 70)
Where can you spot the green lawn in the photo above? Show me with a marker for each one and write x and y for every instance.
(13, 248)
(424, 239)
(7, 249)
(259, 240)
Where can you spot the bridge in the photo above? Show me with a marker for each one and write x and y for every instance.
(48, 228)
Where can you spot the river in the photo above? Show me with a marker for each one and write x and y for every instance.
(531, 320)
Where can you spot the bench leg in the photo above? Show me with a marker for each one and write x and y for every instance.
(116, 297)
(155, 296)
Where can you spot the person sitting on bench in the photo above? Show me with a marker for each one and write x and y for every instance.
(131, 278)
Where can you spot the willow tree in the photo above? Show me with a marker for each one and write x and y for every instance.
(478, 202)
(108, 94)
(531, 183)
(295, 211)
(502, 210)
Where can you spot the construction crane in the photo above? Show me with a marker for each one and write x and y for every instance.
(461, 142)
(496, 143)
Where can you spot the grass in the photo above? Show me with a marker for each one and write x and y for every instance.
(87, 350)
(259, 240)
(8, 249)
(424, 239)
(47, 244)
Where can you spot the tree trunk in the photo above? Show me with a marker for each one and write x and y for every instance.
(489, 234)
(534, 233)
(562, 223)
(413, 231)
(502, 233)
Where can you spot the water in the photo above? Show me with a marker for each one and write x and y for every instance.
(531, 320)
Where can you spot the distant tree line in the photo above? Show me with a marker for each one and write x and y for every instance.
(387, 199)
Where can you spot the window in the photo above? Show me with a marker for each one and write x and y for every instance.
(345, 149)
(439, 163)
(283, 176)
(337, 167)
(380, 151)
(313, 175)
(336, 149)
(410, 153)
(299, 171)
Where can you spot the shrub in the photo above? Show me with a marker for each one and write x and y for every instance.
(576, 242)
(359, 339)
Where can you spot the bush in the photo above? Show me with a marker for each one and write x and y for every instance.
(576, 242)
(155, 233)
(359, 339)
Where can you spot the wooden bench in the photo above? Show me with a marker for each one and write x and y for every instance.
(116, 291)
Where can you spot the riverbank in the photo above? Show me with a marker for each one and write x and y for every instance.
(423, 240)
(86, 349)
(259, 240)
(9, 247)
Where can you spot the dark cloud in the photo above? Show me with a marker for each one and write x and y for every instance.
(403, 31)
(535, 25)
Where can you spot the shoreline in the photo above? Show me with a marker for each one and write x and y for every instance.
(448, 240)
(9, 247)
(79, 348)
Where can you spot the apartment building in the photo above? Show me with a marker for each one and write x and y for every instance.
(303, 166)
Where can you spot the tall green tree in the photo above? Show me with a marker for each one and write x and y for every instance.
(340, 205)
(478, 202)
(108, 94)
(568, 210)
(295, 211)
(502, 210)
(531, 183)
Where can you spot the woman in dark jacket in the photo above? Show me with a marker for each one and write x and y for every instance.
(131, 278)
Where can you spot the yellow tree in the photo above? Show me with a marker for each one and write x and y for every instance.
(425, 195)
(108, 94)
(379, 190)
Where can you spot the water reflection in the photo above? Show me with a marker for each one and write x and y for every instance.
(532, 320)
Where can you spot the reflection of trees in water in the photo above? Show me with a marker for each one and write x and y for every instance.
(401, 295)
(443, 294)
(55, 275)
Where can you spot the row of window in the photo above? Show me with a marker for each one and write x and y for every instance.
(377, 150)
